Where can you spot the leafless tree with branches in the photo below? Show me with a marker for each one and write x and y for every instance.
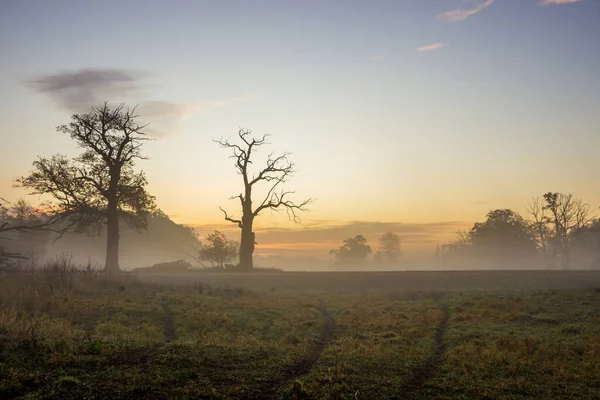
(276, 172)
(536, 208)
(556, 219)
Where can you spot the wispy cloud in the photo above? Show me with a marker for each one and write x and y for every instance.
(77, 90)
(227, 101)
(378, 57)
(464, 11)
(431, 47)
(80, 89)
(548, 2)
(165, 117)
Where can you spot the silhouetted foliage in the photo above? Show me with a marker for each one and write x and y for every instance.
(99, 186)
(218, 250)
(168, 267)
(276, 172)
(389, 248)
(354, 251)
(503, 235)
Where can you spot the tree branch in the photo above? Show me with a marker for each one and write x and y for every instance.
(230, 219)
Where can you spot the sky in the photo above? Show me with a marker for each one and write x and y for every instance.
(416, 116)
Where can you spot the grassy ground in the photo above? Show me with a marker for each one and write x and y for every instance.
(66, 335)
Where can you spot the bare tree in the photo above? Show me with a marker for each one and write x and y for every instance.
(540, 226)
(389, 248)
(568, 214)
(99, 186)
(276, 172)
(556, 220)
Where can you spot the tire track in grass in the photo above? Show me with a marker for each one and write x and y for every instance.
(271, 386)
(415, 383)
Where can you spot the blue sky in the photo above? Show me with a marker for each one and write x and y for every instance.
(501, 103)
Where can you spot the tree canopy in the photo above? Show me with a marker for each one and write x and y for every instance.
(354, 250)
(504, 234)
(100, 186)
(218, 250)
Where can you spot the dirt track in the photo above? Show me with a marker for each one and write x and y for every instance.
(427, 370)
(270, 388)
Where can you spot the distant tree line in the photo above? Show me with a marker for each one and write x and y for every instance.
(355, 250)
(560, 227)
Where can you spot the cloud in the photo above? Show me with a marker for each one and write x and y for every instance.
(462, 12)
(548, 2)
(165, 117)
(431, 47)
(227, 101)
(80, 89)
(378, 57)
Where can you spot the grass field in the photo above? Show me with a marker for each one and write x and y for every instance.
(443, 335)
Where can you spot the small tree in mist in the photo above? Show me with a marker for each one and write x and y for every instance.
(218, 250)
(557, 218)
(389, 248)
(354, 251)
(272, 176)
(100, 186)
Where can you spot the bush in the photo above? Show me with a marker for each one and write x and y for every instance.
(172, 266)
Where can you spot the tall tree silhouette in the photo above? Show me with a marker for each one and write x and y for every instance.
(566, 215)
(276, 172)
(99, 186)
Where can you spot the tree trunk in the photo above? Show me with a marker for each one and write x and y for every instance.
(112, 238)
(247, 245)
